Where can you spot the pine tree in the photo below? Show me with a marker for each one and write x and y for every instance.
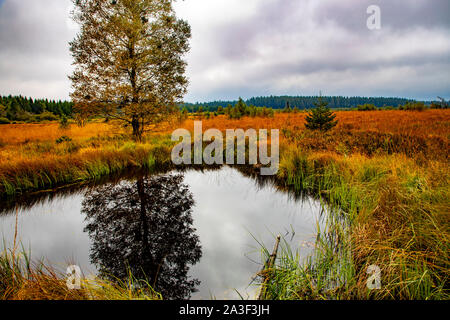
(13, 110)
(228, 110)
(241, 107)
(2, 111)
(320, 118)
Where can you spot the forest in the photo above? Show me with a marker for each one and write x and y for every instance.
(303, 102)
(19, 108)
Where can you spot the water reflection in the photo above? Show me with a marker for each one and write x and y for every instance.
(145, 226)
(152, 225)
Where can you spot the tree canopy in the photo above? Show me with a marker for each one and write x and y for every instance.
(128, 60)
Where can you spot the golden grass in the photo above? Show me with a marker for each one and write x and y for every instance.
(428, 123)
(20, 279)
(13, 134)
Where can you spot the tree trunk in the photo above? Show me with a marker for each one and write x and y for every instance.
(144, 220)
(137, 130)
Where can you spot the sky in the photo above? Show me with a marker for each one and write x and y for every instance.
(256, 48)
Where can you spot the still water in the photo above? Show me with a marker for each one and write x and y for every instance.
(197, 233)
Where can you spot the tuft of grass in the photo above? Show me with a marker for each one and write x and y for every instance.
(20, 279)
(386, 211)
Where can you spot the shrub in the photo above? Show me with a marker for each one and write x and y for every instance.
(413, 106)
(366, 107)
(24, 116)
(46, 116)
(4, 120)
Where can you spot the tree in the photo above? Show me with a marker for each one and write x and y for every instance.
(241, 107)
(13, 110)
(320, 118)
(235, 113)
(185, 113)
(228, 110)
(129, 60)
(64, 122)
(2, 111)
(287, 109)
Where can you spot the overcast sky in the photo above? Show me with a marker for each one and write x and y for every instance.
(257, 47)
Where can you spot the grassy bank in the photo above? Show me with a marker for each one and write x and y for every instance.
(71, 162)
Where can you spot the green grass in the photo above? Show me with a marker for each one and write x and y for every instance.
(382, 212)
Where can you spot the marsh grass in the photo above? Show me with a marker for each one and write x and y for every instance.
(383, 174)
(80, 164)
(385, 211)
(21, 279)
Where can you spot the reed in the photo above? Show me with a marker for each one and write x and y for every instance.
(384, 211)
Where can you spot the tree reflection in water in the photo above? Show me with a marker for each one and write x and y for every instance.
(145, 227)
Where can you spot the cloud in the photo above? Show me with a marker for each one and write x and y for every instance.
(34, 50)
(302, 47)
(256, 47)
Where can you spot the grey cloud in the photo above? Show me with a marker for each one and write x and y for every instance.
(397, 15)
(311, 38)
(276, 47)
(34, 48)
(237, 40)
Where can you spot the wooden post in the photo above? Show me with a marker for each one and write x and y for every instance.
(267, 267)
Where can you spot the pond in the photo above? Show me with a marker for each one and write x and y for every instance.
(197, 232)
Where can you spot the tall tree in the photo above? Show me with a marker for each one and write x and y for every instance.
(241, 107)
(129, 60)
(320, 118)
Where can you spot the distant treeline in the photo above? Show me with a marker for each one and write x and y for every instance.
(18, 108)
(22, 109)
(302, 102)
